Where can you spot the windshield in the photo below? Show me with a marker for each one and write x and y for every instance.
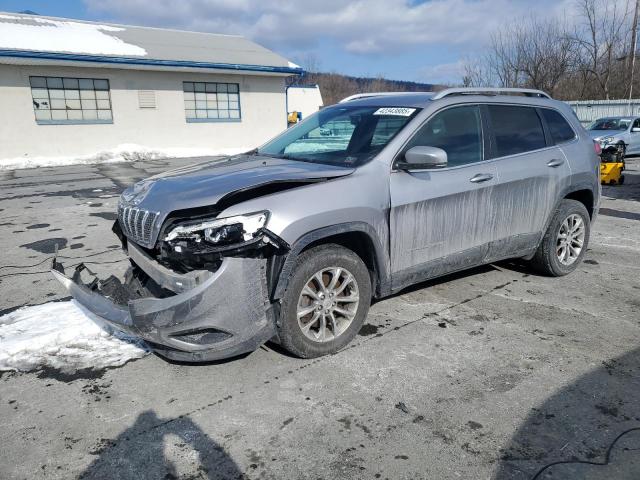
(610, 124)
(341, 135)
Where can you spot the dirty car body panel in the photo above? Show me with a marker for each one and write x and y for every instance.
(195, 300)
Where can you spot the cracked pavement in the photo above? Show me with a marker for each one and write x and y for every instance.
(490, 373)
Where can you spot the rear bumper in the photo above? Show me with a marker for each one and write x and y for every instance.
(209, 316)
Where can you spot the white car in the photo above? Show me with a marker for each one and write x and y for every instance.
(617, 131)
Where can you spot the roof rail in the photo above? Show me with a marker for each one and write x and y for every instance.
(489, 91)
(377, 94)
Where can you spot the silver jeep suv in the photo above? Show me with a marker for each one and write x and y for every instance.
(290, 242)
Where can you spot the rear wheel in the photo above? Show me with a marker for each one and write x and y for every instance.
(565, 241)
(326, 302)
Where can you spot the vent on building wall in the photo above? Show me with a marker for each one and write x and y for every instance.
(146, 99)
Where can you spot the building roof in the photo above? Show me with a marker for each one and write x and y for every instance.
(38, 39)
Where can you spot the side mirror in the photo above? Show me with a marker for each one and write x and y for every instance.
(635, 129)
(422, 158)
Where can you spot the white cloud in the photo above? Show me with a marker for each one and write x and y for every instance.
(359, 26)
(443, 72)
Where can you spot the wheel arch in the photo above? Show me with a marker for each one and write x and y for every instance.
(584, 196)
(358, 237)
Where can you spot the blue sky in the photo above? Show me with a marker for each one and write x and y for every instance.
(424, 41)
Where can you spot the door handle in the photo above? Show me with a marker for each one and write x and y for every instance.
(556, 162)
(481, 177)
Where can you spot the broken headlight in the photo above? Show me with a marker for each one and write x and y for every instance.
(221, 231)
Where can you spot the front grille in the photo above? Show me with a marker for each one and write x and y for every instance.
(137, 224)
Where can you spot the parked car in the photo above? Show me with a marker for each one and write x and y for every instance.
(621, 133)
(291, 241)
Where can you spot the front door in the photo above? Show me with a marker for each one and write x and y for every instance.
(634, 138)
(439, 219)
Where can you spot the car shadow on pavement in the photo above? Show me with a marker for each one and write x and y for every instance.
(161, 448)
(588, 430)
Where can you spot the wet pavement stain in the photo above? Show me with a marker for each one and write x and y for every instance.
(368, 329)
(47, 245)
(38, 225)
(105, 215)
(75, 246)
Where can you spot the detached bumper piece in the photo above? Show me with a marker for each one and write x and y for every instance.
(195, 317)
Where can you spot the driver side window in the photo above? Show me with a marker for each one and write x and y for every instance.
(457, 131)
(636, 124)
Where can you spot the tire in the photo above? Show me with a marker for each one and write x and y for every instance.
(546, 259)
(621, 180)
(622, 158)
(325, 259)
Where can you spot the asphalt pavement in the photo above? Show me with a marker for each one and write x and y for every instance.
(491, 373)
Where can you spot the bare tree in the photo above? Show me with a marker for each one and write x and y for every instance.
(530, 53)
(601, 38)
(545, 54)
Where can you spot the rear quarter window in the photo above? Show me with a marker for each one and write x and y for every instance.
(516, 129)
(559, 128)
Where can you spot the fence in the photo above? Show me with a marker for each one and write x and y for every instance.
(590, 110)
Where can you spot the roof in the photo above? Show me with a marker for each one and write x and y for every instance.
(455, 95)
(36, 38)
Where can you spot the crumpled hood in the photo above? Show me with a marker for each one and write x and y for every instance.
(204, 184)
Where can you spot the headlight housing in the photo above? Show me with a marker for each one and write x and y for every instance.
(221, 231)
(606, 140)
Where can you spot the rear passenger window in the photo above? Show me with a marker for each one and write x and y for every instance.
(516, 129)
(457, 131)
(559, 129)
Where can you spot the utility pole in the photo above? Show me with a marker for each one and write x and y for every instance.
(634, 45)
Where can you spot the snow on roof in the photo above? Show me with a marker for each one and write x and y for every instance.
(44, 34)
(62, 37)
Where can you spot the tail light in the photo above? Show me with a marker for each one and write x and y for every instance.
(597, 148)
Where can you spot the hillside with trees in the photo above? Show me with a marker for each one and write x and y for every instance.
(334, 86)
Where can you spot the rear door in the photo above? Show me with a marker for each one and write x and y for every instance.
(438, 218)
(531, 172)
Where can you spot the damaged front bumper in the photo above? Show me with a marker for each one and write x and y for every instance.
(203, 316)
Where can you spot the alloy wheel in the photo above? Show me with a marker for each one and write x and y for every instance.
(327, 304)
(570, 239)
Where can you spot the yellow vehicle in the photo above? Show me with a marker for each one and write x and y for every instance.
(611, 166)
(293, 118)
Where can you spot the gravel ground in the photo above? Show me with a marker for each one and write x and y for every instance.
(492, 373)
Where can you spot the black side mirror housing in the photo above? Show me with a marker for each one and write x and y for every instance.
(423, 158)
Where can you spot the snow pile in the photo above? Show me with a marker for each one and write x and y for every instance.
(45, 34)
(64, 336)
(122, 153)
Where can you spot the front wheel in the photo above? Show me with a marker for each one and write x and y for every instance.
(565, 242)
(326, 302)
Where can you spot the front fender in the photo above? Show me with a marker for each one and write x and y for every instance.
(381, 258)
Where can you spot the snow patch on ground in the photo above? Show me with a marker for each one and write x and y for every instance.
(44, 34)
(64, 336)
(121, 153)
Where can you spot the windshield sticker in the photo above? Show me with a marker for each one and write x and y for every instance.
(398, 111)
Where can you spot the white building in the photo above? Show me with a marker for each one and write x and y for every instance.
(70, 87)
(304, 99)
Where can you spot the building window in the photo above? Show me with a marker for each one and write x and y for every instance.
(63, 100)
(211, 102)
